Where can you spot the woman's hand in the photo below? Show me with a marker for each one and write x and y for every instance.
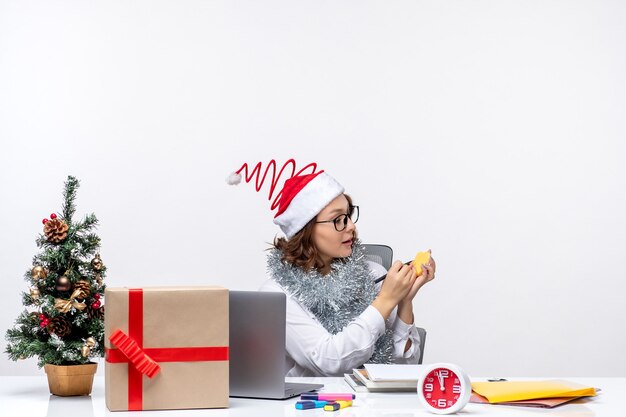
(405, 306)
(400, 280)
(428, 274)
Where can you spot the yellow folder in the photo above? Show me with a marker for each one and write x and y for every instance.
(497, 392)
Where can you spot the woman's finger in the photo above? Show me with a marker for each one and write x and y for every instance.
(432, 272)
(396, 266)
(429, 272)
(406, 272)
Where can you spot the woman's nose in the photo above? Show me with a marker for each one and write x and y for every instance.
(350, 225)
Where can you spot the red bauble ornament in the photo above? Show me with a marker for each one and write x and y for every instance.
(95, 305)
(53, 216)
(42, 316)
(44, 221)
(44, 323)
(96, 296)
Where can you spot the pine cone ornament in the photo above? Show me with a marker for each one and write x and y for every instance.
(59, 326)
(55, 230)
(96, 313)
(84, 287)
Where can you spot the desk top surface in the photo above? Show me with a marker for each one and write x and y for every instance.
(29, 396)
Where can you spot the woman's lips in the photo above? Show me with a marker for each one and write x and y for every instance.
(347, 242)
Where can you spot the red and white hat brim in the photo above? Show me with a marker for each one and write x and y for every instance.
(308, 203)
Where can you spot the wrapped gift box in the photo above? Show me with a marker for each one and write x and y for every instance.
(169, 348)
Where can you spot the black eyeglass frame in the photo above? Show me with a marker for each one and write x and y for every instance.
(342, 219)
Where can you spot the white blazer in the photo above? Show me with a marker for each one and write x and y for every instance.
(313, 351)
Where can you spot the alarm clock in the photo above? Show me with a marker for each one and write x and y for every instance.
(443, 388)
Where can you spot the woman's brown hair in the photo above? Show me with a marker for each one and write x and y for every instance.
(300, 250)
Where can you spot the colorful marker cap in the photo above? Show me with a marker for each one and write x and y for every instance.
(337, 405)
(332, 407)
(306, 405)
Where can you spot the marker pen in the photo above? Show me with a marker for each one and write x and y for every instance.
(327, 396)
(377, 280)
(337, 405)
(306, 405)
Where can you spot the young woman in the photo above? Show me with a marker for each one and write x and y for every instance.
(337, 318)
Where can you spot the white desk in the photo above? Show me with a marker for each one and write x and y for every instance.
(29, 396)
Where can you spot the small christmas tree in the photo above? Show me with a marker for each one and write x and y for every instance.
(63, 323)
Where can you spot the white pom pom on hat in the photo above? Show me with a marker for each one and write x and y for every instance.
(302, 197)
(233, 178)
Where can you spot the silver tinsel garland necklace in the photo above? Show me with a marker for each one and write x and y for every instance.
(337, 298)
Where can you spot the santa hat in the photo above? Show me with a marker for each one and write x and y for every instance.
(302, 197)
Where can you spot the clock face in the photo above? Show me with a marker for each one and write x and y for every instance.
(442, 388)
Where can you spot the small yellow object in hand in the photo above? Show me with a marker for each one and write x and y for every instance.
(421, 258)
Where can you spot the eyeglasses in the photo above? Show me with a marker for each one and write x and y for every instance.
(341, 221)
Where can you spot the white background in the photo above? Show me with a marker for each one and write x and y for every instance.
(490, 131)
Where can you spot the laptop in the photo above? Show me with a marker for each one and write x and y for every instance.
(257, 347)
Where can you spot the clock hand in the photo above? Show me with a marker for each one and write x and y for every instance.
(442, 387)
